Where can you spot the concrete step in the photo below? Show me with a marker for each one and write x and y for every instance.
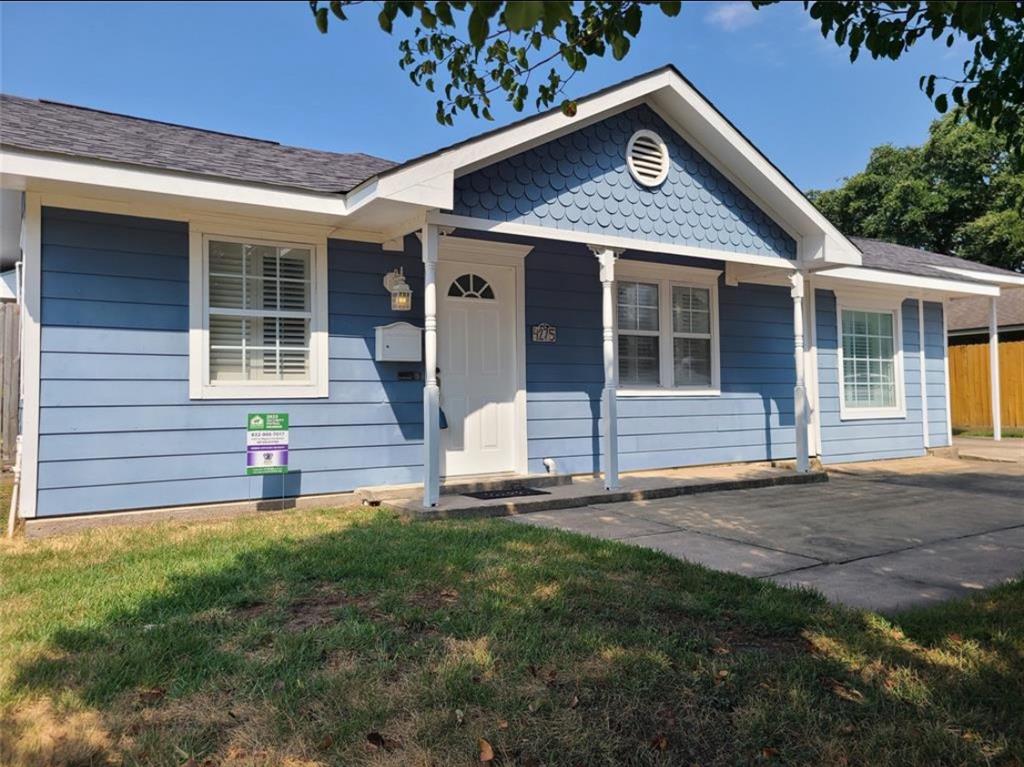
(372, 496)
(588, 496)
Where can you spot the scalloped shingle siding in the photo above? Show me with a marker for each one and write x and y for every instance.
(580, 182)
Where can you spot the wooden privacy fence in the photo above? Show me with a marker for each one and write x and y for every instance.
(971, 401)
(10, 386)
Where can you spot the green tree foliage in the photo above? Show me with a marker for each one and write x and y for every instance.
(470, 51)
(958, 193)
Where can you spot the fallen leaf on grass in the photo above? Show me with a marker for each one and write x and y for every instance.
(486, 752)
(768, 752)
(459, 715)
(503, 724)
(659, 742)
(574, 702)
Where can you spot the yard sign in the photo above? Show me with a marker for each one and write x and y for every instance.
(266, 443)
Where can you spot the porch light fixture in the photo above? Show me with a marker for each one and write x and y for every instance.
(401, 293)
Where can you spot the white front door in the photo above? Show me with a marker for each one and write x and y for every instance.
(477, 361)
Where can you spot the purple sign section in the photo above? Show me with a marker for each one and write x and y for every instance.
(266, 459)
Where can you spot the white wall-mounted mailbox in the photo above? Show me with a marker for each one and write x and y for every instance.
(399, 342)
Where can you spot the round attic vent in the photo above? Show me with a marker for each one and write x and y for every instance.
(647, 158)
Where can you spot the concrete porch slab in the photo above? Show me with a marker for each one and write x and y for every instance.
(635, 486)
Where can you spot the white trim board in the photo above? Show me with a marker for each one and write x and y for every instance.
(604, 241)
(889, 282)
(31, 343)
(999, 279)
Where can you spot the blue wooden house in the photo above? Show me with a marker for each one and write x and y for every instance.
(636, 287)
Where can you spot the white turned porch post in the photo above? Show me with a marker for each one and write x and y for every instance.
(925, 426)
(993, 368)
(431, 392)
(606, 257)
(796, 280)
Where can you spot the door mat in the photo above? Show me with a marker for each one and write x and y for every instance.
(508, 492)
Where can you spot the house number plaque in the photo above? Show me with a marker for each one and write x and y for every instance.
(544, 333)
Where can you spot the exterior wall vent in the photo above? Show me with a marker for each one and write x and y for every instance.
(647, 158)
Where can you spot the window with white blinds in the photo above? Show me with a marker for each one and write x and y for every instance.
(870, 361)
(261, 314)
(666, 330)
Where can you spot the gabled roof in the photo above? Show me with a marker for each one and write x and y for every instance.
(64, 129)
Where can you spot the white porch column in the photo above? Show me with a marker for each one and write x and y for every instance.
(796, 280)
(925, 426)
(993, 367)
(431, 392)
(606, 257)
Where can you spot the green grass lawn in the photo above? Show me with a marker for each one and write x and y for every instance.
(332, 638)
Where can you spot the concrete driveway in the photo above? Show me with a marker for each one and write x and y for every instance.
(883, 535)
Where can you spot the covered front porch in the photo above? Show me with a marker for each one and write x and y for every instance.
(591, 360)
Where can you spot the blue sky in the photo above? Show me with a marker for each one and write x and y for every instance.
(262, 69)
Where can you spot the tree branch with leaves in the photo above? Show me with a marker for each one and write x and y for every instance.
(471, 52)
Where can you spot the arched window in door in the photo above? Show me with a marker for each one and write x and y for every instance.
(470, 286)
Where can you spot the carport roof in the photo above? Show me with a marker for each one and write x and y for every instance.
(902, 259)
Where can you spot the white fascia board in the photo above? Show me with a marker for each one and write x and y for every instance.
(602, 240)
(999, 279)
(16, 166)
(876, 277)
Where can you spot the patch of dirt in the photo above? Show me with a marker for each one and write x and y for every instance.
(320, 608)
(39, 733)
(433, 600)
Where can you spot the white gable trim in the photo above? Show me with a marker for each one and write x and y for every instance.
(676, 101)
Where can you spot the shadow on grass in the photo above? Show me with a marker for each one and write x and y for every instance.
(385, 642)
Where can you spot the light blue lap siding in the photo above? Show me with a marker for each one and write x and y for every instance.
(580, 182)
(752, 419)
(117, 427)
(869, 439)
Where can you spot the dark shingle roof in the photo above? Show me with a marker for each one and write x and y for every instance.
(47, 126)
(972, 313)
(924, 263)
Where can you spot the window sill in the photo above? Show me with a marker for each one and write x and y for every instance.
(259, 392)
(668, 392)
(875, 414)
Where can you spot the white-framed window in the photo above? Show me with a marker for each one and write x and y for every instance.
(666, 323)
(870, 356)
(258, 316)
